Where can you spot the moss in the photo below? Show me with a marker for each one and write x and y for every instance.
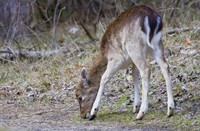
(122, 117)
(122, 99)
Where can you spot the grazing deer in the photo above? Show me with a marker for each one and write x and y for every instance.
(134, 35)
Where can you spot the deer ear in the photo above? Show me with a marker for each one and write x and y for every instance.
(85, 78)
(85, 74)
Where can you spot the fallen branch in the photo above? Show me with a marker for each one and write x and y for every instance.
(176, 30)
(5, 53)
(172, 31)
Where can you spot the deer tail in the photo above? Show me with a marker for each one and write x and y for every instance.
(149, 30)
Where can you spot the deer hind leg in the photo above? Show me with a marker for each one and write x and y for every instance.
(160, 59)
(144, 73)
(112, 67)
(136, 104)
(140, 63)
(138, 57)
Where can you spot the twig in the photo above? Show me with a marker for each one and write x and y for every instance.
(87, 31)
(4, 59)
(172, 31)
(33, 33)
(4, 76)
(45, 14)
(54, 21)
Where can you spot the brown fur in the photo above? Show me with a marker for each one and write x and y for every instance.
(127, 17)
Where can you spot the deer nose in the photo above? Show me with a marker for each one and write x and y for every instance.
(83, 116)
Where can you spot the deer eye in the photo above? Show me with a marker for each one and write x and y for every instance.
(80, 98)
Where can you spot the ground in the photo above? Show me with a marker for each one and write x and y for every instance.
(39, 94)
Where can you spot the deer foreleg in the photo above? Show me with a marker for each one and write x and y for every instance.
(112, 67)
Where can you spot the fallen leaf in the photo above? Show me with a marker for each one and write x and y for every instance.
(187, 42)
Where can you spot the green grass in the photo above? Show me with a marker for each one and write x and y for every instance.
(152, 118)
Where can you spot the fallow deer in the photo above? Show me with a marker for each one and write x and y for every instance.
(130, 39)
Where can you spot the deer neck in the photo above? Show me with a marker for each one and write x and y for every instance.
(97, 70)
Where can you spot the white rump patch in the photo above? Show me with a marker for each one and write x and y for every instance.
(147, 28)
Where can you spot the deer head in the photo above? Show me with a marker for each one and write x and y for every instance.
(84, 95)
(88, 85)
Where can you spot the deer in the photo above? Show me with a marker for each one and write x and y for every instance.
(133, 37)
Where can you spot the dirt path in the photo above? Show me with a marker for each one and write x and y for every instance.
(57, 117)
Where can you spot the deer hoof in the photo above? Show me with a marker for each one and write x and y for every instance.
(91, 117)
(140, 116)
(170, 112)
